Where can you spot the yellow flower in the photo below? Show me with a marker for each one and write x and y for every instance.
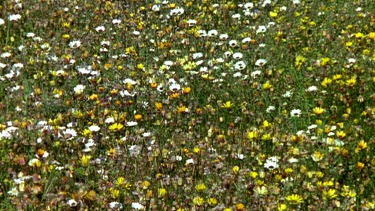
(253, 174)
(266, 85)
(351, 82)
(137, 117)
(140, 66)
(371, 36)
(115, 127)
(299, 61)
(120, 181)
(198, 201)
(359, 35)
(227, 104)
(360, 165)
(158, 106)
(362, 145)
(186, 90)
(273, 14)
(212, 202)
(85, 160)
(35, 163)
(281, 207)
(93, 97)
(288, 170)
(161, 192)
(87, 133)
(240, 207)
(145, 184)
(181, 109)
(318, 110)
(200, 187)
(340, 134)
(294, 199)
(326, 81)
(266, 124)
(66, 36)
(266, 137)
(317, 156)
(252, 135)
(235, 169)
(319, 174)
(324, 61)
(153, 85)
(111, 152)
(261, 190)
(114, 193)
(330, 194)
(337, 77)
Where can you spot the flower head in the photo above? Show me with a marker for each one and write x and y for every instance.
(294, 199)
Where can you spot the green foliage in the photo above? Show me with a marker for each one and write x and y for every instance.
(181, 105)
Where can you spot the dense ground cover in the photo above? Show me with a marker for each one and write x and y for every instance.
(187, 105)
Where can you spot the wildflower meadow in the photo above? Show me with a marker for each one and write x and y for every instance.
(186, 105)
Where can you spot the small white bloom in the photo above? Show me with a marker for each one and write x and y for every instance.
(136, 33)
(266, 3)
(233, 43)
(248, 5)
(246, 40)
(189, 161)
(94, 128)
(237, 55)
(2, 22)
(131, 123)
(155, 8)
(212, 33)
(287, 94)
(312, 89)
(223, 36)
(293, 160)
(270, 109)
(240, 65)
(295, 113)
(240, 156)
(14, 17)
(236, 16)
(174, 87)
(75, 44)
(128, 80)
(100, 29)
(176, 11)
(137, 206)
(72, 203)
(197, 55)
(202, 33)
(261, 29)
(351, 60)
(115, 205)
(191, 22)
(146, 134)
(79, 89)
(13, 192)
(260, 62)
(237, 75)
(116, 21)
(70, 132)
(256, 73)
(271, 165)
(6, 55)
